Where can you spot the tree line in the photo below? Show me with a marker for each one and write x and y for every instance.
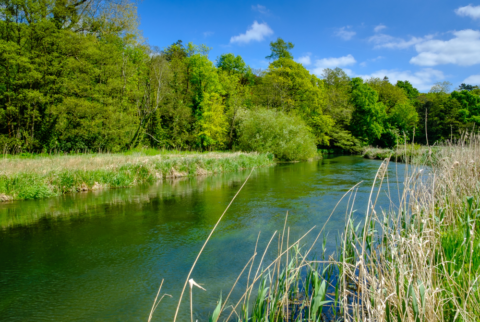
(76, 75)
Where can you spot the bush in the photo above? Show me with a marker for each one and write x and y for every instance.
(286, 136)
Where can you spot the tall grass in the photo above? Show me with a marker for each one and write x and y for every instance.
(410, 153)
(416, 261)
(46, 176)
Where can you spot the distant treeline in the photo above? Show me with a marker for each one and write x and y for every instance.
(76, 75)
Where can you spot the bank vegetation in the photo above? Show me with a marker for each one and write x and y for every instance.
(33, 177)
(415, 261)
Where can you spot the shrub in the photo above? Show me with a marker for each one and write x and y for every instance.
(286, 136)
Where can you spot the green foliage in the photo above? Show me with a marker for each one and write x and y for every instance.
(280, 49)
(411, 91)
(388, 94)
(369, 115)
(232, 64)
(439, 118)
(76, 76)
(470, 103)
(467, 87)
(291, 88)
(213, 124)
(286, 136)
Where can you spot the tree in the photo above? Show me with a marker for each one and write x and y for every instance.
(411, 91)
(470, 103)
(369, 115)
(401, 115)
(297, 91)
(467, 87)
(232, 64)
(388, 94)
(67, 80)
(338, 88)
(286, 136)
(439, 113)
(280, 49)
(441, 87)
(154, 85)
(175, 51)
(237, 94)
(213, 124)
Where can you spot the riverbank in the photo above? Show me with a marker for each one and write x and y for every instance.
(36, 177)
(416, 261)
(403, 153)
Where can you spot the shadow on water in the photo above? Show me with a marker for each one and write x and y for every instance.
(102, 255)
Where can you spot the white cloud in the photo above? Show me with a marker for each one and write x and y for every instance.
(379, 28)
(422, 79)
(257, 32)
(305, 60)
(472, 80)
(208, 33)
(332, 62)
(349, 72)
(261, 9)
(345, 33)
(462, 50)
(387, 41)
(469, 11)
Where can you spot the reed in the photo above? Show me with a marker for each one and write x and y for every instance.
(408, 153)
(417, 261)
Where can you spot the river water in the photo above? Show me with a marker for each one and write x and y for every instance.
(100, 256)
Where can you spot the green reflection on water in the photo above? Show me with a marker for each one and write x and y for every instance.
(101, 255)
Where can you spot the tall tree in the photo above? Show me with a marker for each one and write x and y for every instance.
(280, 49)
(297, 91)
(411, 91)
(369, 115)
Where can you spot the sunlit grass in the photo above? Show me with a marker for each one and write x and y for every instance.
(34, 177)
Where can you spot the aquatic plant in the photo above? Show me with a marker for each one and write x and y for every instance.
(417, 261)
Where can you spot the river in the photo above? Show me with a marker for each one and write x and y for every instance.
(100, 256)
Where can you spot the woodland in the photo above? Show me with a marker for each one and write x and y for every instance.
(76, 75)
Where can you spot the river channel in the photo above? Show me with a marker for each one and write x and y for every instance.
(100, 256)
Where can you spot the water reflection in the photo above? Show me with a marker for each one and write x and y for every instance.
(101, 255)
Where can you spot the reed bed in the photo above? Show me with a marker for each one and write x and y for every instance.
(416, 261)
(414, 153)
(46, 176)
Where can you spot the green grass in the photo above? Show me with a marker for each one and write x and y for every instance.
(416, 261)
(410, 153)
(34, 177)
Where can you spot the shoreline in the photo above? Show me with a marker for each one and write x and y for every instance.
(43, 177)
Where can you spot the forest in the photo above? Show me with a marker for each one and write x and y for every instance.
(78, 76)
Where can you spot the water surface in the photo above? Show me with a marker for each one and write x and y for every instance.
(100, 256)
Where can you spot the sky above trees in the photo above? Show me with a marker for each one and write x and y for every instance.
(421, 41)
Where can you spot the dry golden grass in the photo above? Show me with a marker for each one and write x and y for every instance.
(417, 261)
(89, 162)
(45, 176)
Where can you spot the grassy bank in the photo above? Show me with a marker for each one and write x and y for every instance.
(410, 153)
(31, 177)
(417, 261)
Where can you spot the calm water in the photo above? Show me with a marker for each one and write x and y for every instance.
(101, 256)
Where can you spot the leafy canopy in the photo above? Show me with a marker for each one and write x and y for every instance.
(280, 49)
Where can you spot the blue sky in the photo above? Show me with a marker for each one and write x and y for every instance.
(422, 41)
